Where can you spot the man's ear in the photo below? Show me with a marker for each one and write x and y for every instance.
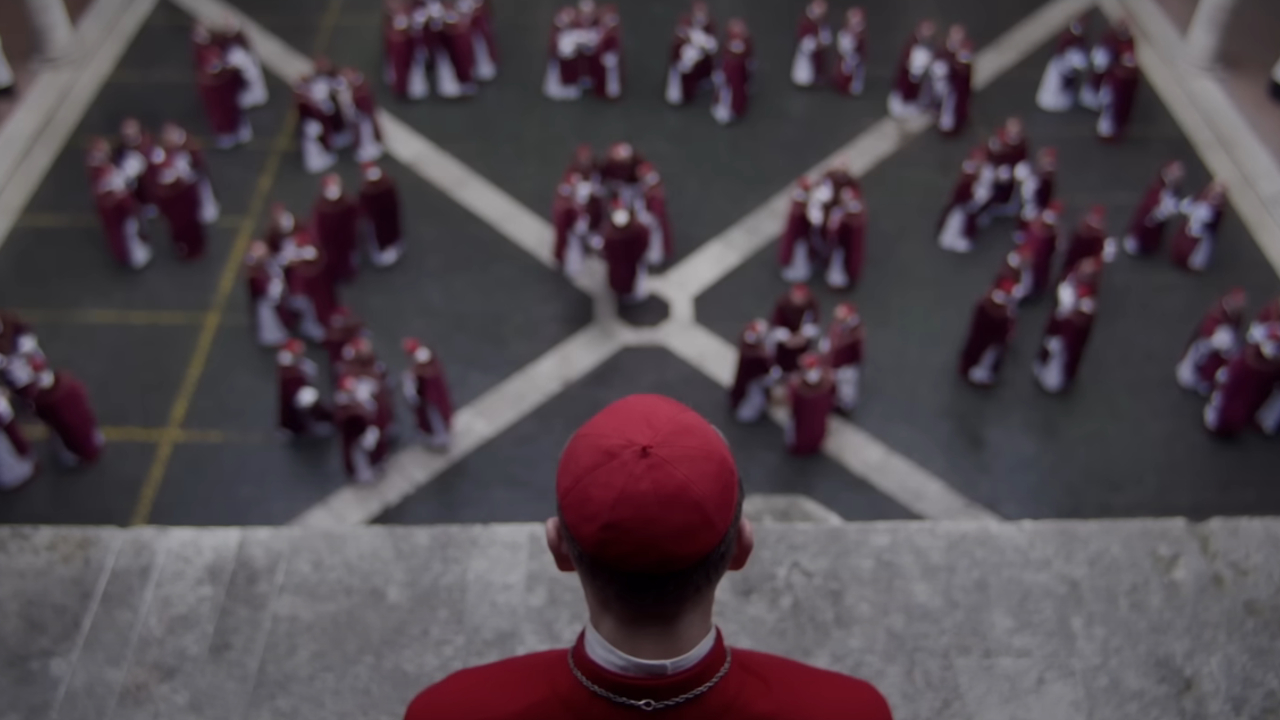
(559, 546)
(746, 543)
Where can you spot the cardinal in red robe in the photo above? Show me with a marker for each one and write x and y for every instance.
(796, 251)
(911, 95)
(625, 248)
(846, 237)
(479, 23)
(1036, 184)
(364, 445)
(1061, 79)
(850, 75)
(181, 150)
(812, 393)
(620, 173)
(303, 413)
(336, 223)
(220, 86)
(1069, 327)
(365, 111)
(577, 214)
(313, 295)
(952, 77)
(1192, 247)
(653, 214)
(813, 37)
(693, 52)
(17, 460)
(361, 362)
(342, 330)
(178, 195)
(404, 55)
(122, 221)
(62, 403)
(794, 325)
(562, 80)
(461, 50)
(1006, 150)
(1159, 203)
(1119, 89)
(265, 280)
(989, 333)
(380, 205)
(749, 396)
(424, 388)
(1246, 387)
(1113, 45)
(841, 349)
(959, 221)
(1040, 242)
(606, 71)
(137, 157)
(1216, 341)
(734, 74)
(1090, 241)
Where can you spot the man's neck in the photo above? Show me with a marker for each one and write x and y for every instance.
(655, 642)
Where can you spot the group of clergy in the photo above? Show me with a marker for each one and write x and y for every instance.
(1102, 77)
(614, 206)
(1236, 368)
(435, 46)
(136, 179)
(826, 229)
(788, 359)
(697, 60)
(29, 386)
(231, 81)
(336, 111)
(584, 53)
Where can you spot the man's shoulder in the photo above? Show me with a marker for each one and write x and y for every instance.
(812, 692)
(511, 688)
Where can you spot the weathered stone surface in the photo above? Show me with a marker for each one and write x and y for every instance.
(1057, 620)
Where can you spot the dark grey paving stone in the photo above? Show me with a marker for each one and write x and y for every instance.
(51, 585)
(653, 311)
(263, 483)
(713, 175)
(69, 268)
(1125, 441)
(103, 494)
(513, 477)
(132, 372)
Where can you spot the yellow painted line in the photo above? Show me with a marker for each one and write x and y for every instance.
(204, 344)
(154, 436)
(102, 316)
(82, 221)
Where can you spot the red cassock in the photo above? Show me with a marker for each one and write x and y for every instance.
(342, 329)
(808, 64)
(731, 82)
(1146, 229)
(797, 229)
(178, 196)
(574, 224)
(271, 319)
(912, 74)
(623, 171)
(811, 403)
(989, 334)
(606, 72)
(1119, 89)
(124, 227)
(1192, 247)
(851, 66)
(1249, 379)
(301, 410)
(458, 43)
(1004, 158)
(1065, 338)
(953, 115)
(398, 47)
(655, 204)
(1106, 53)
(543, 685)
(845, 242)
(64, 407)
(959, 221)
(801, 322)
(336, 225)
(1036, 189)
(1212, 346)
(564, 70)
(481, 23)
(624, 250)
(364, 445)
(381, 205)
(220, 90)
(312, 281)
(1086, 242)
(690, 62)
(138, 163)
(372, 370)
(432, 406)
(754, 363)
(1041, 243)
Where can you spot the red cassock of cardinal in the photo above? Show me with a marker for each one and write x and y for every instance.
(756, 373)
(1159, 203)
(734, 75)
(122, 221)
(1069, 327)
(423, 386)
(1246, 391)
(364, 444)
(794, 326)
(811, 391)
(380, 205)
(813, 37)
(625, 249)
(303, 412)
(841, 347)
(62, 403)
(1216, 342)
(312, 292)
(846, 238)
(336, 223)
(1192, 248)
(989, 333)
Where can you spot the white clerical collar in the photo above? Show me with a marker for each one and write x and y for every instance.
(614, 660)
